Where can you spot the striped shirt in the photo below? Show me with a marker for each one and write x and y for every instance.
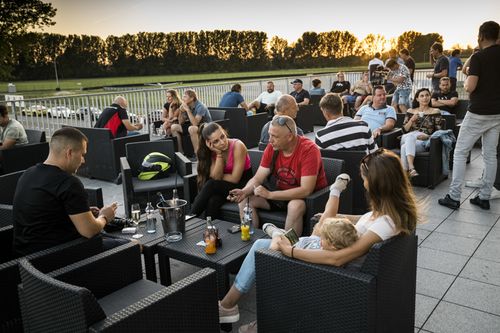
(345, 133)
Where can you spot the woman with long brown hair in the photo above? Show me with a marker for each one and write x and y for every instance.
(223, 164)
(393, 211)
(171, 110)
(420, 122)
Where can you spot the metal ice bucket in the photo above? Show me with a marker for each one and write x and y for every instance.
(173, 218)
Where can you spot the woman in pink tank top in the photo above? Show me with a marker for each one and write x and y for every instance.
(223, 165)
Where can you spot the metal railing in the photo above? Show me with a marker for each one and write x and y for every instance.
(49, 113)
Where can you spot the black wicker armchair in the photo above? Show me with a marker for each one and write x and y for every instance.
(107, 293)
(315, 202)
(295, 296)
(429, 164)
(135, 190)
(103, 153)
(45, 261)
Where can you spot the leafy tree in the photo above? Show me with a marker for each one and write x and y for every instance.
(422, 45)
(407, 40)
(373, 43)
(17, 16)
(279, 52)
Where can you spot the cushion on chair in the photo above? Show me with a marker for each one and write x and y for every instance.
(157, 184)
(130, 294)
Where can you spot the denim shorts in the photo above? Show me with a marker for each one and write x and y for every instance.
(402, 97)
(352, 98)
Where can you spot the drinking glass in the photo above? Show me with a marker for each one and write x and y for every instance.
(135, 210)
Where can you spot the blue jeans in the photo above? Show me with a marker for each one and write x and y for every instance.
(475, 126)
(245, 278)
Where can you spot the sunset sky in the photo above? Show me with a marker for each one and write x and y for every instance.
(286, 19)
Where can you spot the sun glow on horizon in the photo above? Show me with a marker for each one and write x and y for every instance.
(278, 18)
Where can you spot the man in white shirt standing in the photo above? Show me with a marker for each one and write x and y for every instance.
(266, 99)
(373, 64)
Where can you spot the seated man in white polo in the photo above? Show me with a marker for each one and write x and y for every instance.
(266, 100)
(379, 116)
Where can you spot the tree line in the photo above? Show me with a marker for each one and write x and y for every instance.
(153, 53)
(28, 55)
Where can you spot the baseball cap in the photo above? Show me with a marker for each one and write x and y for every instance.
(296, 81)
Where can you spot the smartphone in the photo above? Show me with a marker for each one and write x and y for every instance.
(292, 236)
(234, 229)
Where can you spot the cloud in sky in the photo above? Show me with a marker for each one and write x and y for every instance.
(287, 19)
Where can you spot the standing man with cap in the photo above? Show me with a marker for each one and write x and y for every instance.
(301, 95)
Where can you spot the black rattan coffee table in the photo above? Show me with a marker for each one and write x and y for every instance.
(227, 259)
(149, 243)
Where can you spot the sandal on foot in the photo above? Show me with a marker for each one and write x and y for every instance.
(412, 173)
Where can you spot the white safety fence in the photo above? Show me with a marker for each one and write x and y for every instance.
(48, 114)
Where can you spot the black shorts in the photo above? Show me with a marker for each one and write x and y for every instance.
(280, 205)
(262, 108)
(185, 127)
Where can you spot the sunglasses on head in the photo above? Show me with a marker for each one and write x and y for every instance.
(282, 122)
(368, 157)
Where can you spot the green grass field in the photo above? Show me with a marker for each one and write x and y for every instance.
(82, 86)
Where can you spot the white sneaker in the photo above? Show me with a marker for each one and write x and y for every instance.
(341, 182)
(271, 230)
(495, 194)
(231, 315)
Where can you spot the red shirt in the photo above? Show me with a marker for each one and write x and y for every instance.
(304, 161)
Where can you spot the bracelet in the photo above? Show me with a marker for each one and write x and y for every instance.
(292, 251)
(220, 156)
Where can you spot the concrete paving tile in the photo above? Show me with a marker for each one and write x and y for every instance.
(453, 318)
(433, 209)
(488, 250)
(469, 230)
(441, 261)
(424, 306)
(494, 234)
(470, 216)
(422, 235)
(429, 223)
(477, 295)
(482, 270)
(431, 283)
(451, 243)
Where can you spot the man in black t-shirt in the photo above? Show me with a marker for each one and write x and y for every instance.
(340, 86)
(50, 204)
(445, 99)
(301, 96)
(482, 120)
(115, 118)
(441, 65)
